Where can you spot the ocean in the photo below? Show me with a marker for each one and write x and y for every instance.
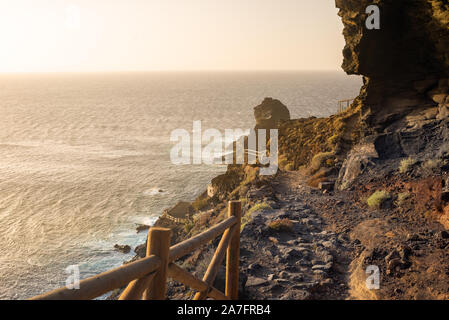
(86, 157)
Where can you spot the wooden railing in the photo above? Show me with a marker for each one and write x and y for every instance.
(168, 216)
(146, 279)
(344, 104)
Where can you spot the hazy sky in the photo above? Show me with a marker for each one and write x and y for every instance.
(113, 35)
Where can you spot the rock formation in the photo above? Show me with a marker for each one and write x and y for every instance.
(122, 248)
(405, 63)
(403, 105)
(269, 113)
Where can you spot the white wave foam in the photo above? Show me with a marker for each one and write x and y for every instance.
(155, 192)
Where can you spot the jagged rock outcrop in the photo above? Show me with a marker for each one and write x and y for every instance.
(405, 63)
(358, 160)
(269, 113)
(122, 248)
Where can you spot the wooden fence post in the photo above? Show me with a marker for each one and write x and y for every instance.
(158, 244)
(233, 254)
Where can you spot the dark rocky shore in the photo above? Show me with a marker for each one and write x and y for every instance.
(368, 186)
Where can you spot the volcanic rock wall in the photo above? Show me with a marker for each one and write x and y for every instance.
(405, 62)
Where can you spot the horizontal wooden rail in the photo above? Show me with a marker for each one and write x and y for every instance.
(98, 285)
(181, 249)
(146, 278)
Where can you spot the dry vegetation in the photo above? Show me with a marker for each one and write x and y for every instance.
(200, 203)
(282, 225)
(378, 198)
(301, 140)
(406, 165)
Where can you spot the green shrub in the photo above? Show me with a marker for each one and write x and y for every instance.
(406, 165)
(283, 225)
(319, 161)
(378, 198)
(247, 217)
(259, 207)
(282, 162)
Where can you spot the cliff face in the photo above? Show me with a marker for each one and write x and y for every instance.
(405, 63)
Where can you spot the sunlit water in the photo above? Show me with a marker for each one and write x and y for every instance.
(83, 158)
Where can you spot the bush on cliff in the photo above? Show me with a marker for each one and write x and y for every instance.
(259, 207)
(407, 165)
(378, 199)
(321, 176)
(285, 165)
(323, 159)
(282, 225)
(247, 218)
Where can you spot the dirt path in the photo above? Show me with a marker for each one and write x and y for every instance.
(335, 238)
(311, 261)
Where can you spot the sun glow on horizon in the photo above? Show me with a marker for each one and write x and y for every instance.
(169, 35)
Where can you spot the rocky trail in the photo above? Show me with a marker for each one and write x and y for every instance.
(333, 239)
(311, 260)
(329, 240)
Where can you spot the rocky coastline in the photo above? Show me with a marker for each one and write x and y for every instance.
(368, 186)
